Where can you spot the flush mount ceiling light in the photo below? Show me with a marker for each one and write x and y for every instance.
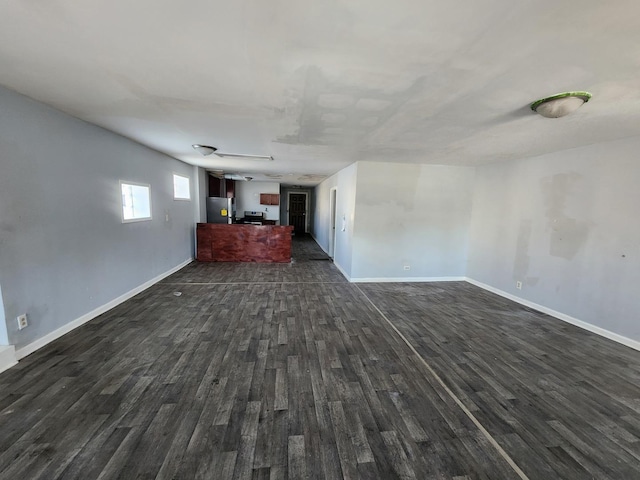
(238, 177)
(229, 176)
(206, 150)
(560, 104)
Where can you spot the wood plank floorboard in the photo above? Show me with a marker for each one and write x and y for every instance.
(557, 398)
(269, 371)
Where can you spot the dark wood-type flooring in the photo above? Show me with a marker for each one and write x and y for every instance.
(270, 371)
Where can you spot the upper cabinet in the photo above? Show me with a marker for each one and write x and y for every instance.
(230, 188)
(221, 187)
(269, 199)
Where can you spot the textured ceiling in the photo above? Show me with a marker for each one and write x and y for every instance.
(321, 84)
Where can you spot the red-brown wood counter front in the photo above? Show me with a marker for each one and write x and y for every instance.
(243, 243)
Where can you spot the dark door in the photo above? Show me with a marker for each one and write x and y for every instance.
(297, 211)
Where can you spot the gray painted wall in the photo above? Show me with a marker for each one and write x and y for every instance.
(345, 181)
(202, 182)
(566, 225)
(63, 248)
(416, 215)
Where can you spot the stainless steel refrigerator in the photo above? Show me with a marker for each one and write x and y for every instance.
(221, 210)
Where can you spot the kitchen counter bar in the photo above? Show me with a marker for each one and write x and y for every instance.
(243, 243)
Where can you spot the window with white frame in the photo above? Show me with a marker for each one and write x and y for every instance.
(136, 201)
(181, 190)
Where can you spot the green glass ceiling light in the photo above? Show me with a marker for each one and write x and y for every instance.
(560, 104)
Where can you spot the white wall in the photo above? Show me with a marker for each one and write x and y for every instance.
(415, 215)
(566, 225)
(345, 181)
(4, 335)
(248, 198)
(64, 250)
(321, 218)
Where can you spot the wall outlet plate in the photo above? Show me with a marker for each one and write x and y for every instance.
(407, 267)
(22, 321)
(519, 285)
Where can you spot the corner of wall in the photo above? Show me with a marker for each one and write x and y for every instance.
(629, 342)
(4, 334)
(7, 357)
(73, 324)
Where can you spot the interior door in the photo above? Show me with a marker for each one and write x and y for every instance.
(297, 211)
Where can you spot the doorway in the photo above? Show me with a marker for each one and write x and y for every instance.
(298, 212)
(332, 220)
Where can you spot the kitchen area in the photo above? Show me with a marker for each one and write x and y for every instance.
(243, 223)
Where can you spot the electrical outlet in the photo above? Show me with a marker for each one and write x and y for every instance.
(22, 321)
(407, 267)
(519, 285)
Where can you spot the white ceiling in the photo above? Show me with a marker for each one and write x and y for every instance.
(320, 84)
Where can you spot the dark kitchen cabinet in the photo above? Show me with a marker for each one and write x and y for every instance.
(215, 186)
(221, 187)
(230, 188)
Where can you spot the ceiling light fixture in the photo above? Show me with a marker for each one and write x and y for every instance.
(237, 177)
(206, 150)
(560, 104)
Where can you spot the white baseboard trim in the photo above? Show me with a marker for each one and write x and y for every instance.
(629, 342)
(316, 240)
(342, 271)
(50, 337)
(407, 279)
(7, 357)
(318, 243)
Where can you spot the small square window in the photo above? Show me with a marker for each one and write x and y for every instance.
(136, 202)
(181, 190)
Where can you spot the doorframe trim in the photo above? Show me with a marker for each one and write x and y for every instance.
(306, 207)
(333, 220)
